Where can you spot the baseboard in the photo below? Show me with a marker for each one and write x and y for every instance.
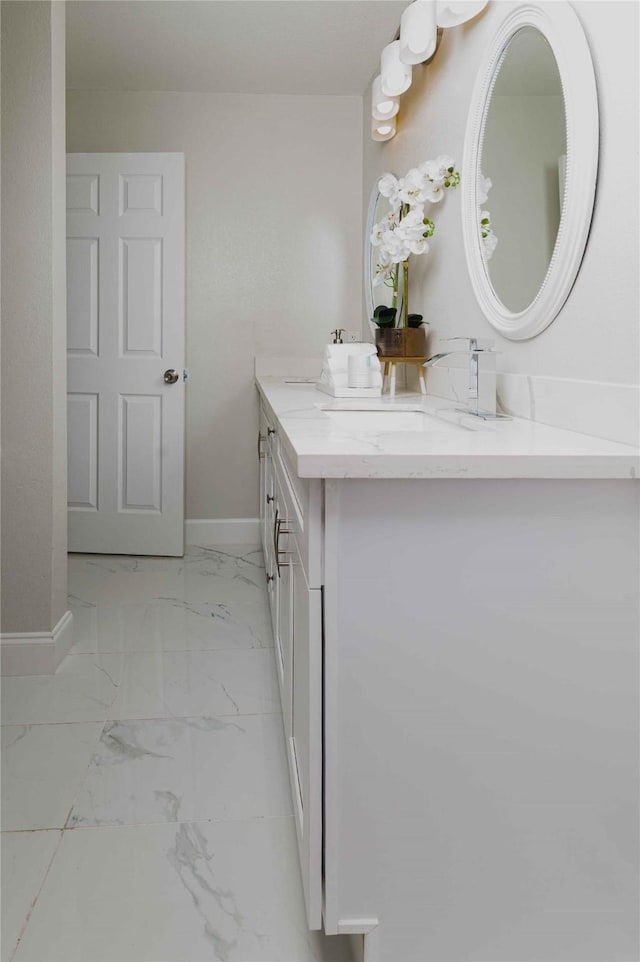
(222, 531)
(36, 652)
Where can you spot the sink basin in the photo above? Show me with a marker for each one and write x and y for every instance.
(376, 421)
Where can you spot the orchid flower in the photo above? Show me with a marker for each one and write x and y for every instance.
(405, 229)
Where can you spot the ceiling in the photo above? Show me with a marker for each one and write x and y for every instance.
(228, 46)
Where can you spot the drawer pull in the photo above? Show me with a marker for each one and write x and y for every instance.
(277, 531)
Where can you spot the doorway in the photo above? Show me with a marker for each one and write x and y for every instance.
(125, 352)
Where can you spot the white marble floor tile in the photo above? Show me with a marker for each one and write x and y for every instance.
(186, 769)
(112, 580)
(207, 588)
(43, 767)
(227, 558)
(189, 892)
(196, 683)
(203, 582)
(174, 625)
(177, 653)
(240, 564)
(25, 858)
(82, 689)
(110, 587)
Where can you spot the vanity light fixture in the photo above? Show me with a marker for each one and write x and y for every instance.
(383, 107)
(383, 129)
(395, 75)
(418, 32)
(418, 42)
(451, 13)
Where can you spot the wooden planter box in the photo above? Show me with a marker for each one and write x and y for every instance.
(401, 341)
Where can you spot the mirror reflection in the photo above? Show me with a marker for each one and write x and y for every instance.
(522, 169)
(382, 292)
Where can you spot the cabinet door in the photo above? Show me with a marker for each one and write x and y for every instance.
(283, 588)
(262, 456)
(272, 586)
(265, 454)
(305, 743)
(266, 435)
(299, 651)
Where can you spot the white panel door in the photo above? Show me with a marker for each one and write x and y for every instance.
(125, 310)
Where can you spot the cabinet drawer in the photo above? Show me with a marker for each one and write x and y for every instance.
(302, 499)
(266, 432)
(304, 506)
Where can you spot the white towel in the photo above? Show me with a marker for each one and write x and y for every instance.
(337, 355)
(342, 379)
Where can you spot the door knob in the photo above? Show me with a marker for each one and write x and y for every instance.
(170, 376)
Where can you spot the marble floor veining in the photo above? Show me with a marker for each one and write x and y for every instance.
(146, 812)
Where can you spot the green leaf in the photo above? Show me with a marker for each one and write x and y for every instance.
(384, 316)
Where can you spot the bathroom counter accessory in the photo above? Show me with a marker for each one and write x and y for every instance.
(389, 365)
(351, 371)
(452, 445)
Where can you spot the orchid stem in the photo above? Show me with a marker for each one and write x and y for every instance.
(405, 294)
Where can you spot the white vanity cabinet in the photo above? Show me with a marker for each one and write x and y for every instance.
(290, 524)
(458, 662)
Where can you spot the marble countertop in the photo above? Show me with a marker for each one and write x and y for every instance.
(455, 445)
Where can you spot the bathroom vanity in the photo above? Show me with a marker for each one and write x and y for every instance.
(455, 601)
(455, 614)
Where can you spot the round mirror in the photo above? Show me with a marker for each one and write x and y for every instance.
(522, 164)
(529, 168)
(376, 293)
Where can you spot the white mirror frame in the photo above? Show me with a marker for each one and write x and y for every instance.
(563, 31)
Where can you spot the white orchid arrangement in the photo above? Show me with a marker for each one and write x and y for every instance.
(488, 240)
(405, 230)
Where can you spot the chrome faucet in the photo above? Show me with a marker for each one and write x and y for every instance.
(481, 390)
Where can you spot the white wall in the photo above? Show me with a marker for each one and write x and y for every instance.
(274, 250)
(595, 338)
(34, 570)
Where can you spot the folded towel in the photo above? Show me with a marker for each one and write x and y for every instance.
(342, 379)
(337, 355)
(356, 347)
